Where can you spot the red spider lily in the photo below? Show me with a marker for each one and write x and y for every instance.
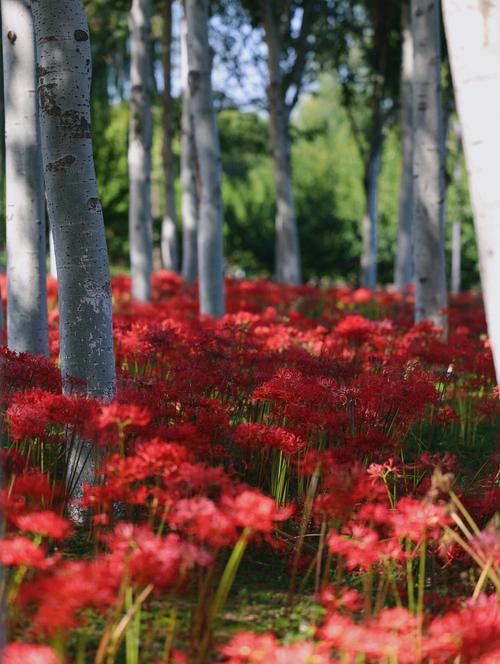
(29, 653)
(17, 550)
(261, 436)
(471, 634)
(45, 523)
(415, 519)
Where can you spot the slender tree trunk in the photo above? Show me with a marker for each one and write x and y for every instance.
(189, 200)
(27, 327)
(456, 256)
(287, 251)
(139, 151)
(370, 220)
(75, 211)
(169, 253)
(2, 197)
(430, 297)
(474, 48)
(210, 238)
(403, 265)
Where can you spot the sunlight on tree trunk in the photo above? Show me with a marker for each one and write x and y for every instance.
(210, 231)
(287, 251)
(370, 220)
(169, 253)
(189, 195)
(428, 165)
(474, 48)
(403, 266)
(75, 211)
(139, 151)
(27, 325)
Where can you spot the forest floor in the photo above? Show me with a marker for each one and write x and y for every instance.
(311, 479)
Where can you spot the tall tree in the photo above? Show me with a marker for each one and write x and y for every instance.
(75, 212)
(403, 264)
(169, 253)
(367, 59)
(428, 164)
(287, 258)
(139, 151)
(210, 229)
(189, 195)
(27, 326)
(474, 50)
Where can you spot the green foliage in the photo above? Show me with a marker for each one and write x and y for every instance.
(327, 180)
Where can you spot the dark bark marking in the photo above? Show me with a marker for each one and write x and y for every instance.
(194, 79)
(48, 100)
(50, 38)
(41, 71)
(11, 36)
(61, 164)
(94, 205)
(81, 35)
(75, 124)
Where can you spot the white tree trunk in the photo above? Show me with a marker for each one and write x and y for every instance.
(287, 250)
(456, 256)
(27, 327)
(75, 211)
(369, 251)
(210, 230)
(403, 264)
(169, 252)
(189, 198)
(473, 36)
(139, 150)
(428, 165)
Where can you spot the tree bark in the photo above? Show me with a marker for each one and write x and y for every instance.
(27, 326)
(428, 165)
(189, 199)
(139, 151)
(169, 252)
(369, 249)
(403, 265)
(474, 49)
(210, 231)
(287, 250)
(75, 211)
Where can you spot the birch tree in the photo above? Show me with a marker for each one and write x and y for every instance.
(473, 37)
(139, 151)
(169, 253)
(287, 250)
(210, 230)
(75, 212)
(189, 195)
(27, 326)
(403, 265)
(428, 164)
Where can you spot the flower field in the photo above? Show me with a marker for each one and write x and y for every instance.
(318, 435)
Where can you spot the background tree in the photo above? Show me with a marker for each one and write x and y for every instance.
(403, 263)
(474, 50)
(169, 253)
(288, 49)
(139, 150)
(27, 325)
(428, 165)
(365, 48)
(210, 230)
(189, 192)
(75, 212)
